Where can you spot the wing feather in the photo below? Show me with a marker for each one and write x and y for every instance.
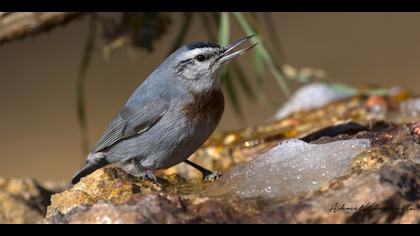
(130, 122)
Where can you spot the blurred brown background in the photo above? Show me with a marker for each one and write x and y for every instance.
(39, 131)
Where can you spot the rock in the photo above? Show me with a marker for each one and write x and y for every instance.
(109, 183)
(156, 208)
(382, 186)
(14, 210)
(375, 183)
(23, 200)
(151, 208)
(390, 195)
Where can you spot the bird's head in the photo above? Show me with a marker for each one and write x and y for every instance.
(197, 63)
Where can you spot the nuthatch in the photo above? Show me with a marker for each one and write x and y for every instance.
(169, 116)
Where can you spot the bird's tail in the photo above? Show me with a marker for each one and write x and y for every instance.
(91, 165)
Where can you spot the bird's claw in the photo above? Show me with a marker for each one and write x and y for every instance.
(148, 175)
(212, 176)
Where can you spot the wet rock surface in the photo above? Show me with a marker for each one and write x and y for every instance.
(389, 195)
(371, 144)
(369, 198)
(382, 190)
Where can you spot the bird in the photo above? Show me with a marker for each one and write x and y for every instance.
(169, 115)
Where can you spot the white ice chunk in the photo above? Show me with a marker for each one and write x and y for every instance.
(292, 167)
(310, 96)
(411, 107)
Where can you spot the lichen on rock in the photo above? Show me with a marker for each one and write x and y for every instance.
(109, 184)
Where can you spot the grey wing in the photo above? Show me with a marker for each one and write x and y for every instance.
(130, 122)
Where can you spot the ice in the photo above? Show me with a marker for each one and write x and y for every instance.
(409, 112)
(411, 107)
(292, 167)
(310, 96)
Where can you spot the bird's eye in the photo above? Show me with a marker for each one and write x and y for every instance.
(200, 57)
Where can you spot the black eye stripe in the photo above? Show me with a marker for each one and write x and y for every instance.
(201, 57)
(184, 63)
(206, 56)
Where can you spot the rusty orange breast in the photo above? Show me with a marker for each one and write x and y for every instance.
(206, 106)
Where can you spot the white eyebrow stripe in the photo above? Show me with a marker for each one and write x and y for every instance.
(194, 52)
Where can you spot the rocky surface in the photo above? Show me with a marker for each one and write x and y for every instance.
(109, 184)
(389, 195)
(383, 186)
(379, 183)
(24, 200)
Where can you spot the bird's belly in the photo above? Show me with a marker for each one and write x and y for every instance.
(166, 144)
(178, 145)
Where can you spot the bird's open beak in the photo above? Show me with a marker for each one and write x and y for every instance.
(227, 57)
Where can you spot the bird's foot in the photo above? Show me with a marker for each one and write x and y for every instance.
(148, 175)
(133, 168)
(212, 176)
(207, 174)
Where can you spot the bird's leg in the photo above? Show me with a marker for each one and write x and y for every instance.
(149, 175)
(207, 174)
(134, 168)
